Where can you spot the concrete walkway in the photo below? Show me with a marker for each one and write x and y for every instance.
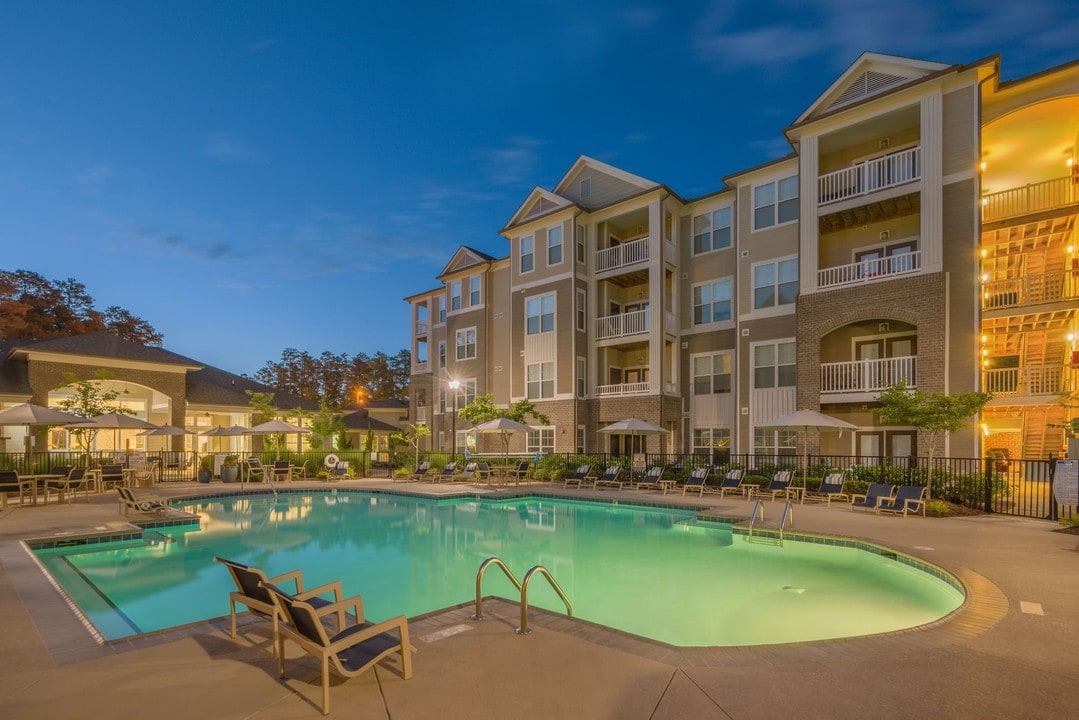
(1010, 652)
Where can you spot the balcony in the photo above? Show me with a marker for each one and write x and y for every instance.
(421, 328)
(867, 376)
(621, 389)
(421, 414)
(1027, 380)
(622, 255)
(870, 176)
(1033, 198)
(616, 326)
(867, 271)
(419, 367)
(1053, 287)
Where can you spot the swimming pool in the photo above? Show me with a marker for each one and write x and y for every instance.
(655, 572)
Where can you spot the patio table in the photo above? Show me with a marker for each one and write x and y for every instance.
(38, 481)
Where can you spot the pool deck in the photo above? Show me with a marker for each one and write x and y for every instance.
(1012, 651)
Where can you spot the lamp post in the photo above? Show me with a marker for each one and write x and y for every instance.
(453, 385)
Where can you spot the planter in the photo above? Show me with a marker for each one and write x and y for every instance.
(230, 473)
(205, 476)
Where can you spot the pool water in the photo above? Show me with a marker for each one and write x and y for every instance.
(649, 571)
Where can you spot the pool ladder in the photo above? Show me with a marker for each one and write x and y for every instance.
(785, 520)
(521, 585)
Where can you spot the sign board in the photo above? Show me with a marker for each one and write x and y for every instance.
(1066, 483)
(640, 463)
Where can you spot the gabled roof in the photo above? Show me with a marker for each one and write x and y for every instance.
(465, 258)
(362, 420)
(214, 386)
(586, 163)
(538, 203)
(871, 74)
(102, 345)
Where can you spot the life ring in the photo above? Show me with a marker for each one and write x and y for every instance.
(330, 461)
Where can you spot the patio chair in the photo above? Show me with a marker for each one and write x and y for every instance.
(449, 470)
(143, 474)
(76, 480)
(731, 483)
(831, 488)
(521, 471)
(282, 471)
(874, 497)
(421, 472)
(255, 470)
(652, 480)
(112, 475)
(468, 473)
(351, 651)
(698, 478)
(907, 497)
(128, 501)
(10, 483)
(610, 478)
(484, 472)
(780, 484)
(578, 477)
(252, 594)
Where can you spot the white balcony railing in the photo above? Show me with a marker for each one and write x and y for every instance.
(421, 414)
(641, 388)
(866, 271)
(877, 174)
(1026, 380)
(419, 367)
(1030, 290)
(858, 376)
(1036, 197)
(614, 326)
(621, 255)
(421, 328)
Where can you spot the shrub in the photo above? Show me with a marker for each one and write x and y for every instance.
(937, 508)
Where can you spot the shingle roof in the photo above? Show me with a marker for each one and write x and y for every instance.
(105, 345)
(214, 386)
(362, 420)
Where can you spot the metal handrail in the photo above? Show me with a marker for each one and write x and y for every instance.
(524, 629)
(788, 514)
(479, 582)
(758, 510)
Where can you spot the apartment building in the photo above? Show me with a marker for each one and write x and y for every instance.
(922, 229)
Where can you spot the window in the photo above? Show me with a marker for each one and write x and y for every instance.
(774, 365)
(712, 374)
(707, 440)
(774, 442)
(586, 187)
(581, 377)
(441, 309)
(580, 243)
(421, 351)
(712, 231)
(712, 302)
(539, 380)
(554, 246)
(528, 253)
(442, 354)
(474, 296)
(539, 315)
(466, 393)
(775, 203)
(580, 439)
(442, 401)
(466, 343)
(775, 283)
(455, 295)
(581, 299)
(541, 440)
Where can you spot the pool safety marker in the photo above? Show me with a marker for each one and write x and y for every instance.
(445, 633)
(1031, 608)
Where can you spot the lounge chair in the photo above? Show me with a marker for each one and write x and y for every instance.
(908, 497)
(652, 480)
(780, 484)
(468, 473)
(578, 477)
(421, 471)
(252, 593)
(874, 497)
(76, 480)
(351, 651)
(731, 483)
(610, 478)
(698, 478)
(831, 488)
(112, 475)
(521, 471)
(10, 483)
(128, 501)
(448, 472)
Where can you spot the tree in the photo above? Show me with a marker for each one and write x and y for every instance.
(412, 437)
(89, 399)
(333, 379)
(483, 409)
(325, 425)
(935, 414)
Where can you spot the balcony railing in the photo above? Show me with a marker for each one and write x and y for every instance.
(419, 367)
(621, 255)
(866, 271)
(614, 326)
(1026, 380)
(623, 389)
(1036, 197)
(869, 176)
(857, 376)
(1030, 290)
(421, 414)
(421, 328)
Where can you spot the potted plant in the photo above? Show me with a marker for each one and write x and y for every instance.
(206, 468)
(230, 468)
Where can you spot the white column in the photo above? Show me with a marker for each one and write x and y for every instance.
(808, 232)
(932, 219)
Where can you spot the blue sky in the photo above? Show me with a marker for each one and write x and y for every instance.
(251, 176)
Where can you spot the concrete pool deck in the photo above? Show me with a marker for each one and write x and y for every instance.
(1011, 651)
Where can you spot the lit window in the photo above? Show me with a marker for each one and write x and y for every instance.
(706, 440)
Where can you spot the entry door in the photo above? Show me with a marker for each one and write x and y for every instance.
(870, 372)
(869, 447)
(901, 444)
(869, 262)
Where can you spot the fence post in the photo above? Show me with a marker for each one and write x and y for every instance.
(988, 484)
(1053, 510)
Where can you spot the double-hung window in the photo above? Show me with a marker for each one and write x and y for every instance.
(554, 246)
(441, 355)
(712, 231)
(774, 365)
(539, 381)
(539, 315)
(581, 377)
(775, 203)
(580, 243)
(581, 299)
(474, 296)
(466, 343)
(775, 283)
(540, 440)
(528, 253)
(712, 302)
(441, 309)
(455, 295)
(706, 440)
(712, 374)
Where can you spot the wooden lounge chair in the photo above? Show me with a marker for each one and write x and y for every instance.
(351, 651)
(731, 483)
(874, 497)
(698, 478)
(907, 497)
(610, 478)
(421, 472)
(252, 594)
(652, 480)
(449, 470)
(468, 473)
(10, 483)
(128, 501)
(831, 488)
(780, 484)
(578, 477)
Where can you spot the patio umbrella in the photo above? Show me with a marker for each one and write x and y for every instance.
(113, 421)
(503, 426)
(277, 427)
(234, 431)
(807, 420)
(633, 427)
(31, 415)
(166, 431)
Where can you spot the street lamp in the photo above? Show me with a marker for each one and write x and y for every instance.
(454, 384)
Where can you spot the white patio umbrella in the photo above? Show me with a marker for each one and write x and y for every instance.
(277, 427)
(30, 415)
(503, 426)
(166, 431)
(633, 427)
(806, 420)
(113, 421)
(234, 431)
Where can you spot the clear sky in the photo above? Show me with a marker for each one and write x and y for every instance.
(251, 176)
